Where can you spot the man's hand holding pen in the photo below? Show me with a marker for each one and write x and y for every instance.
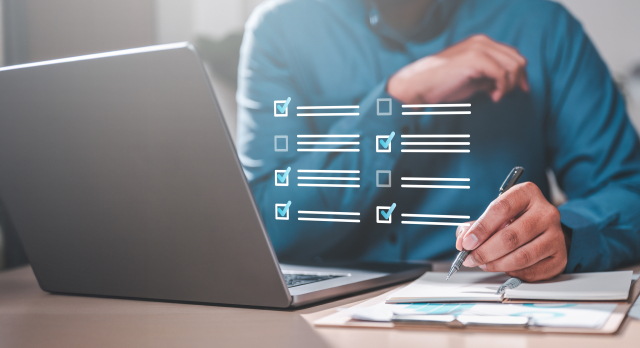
(519, 233)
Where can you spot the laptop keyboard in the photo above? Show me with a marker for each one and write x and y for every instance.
(297, 279)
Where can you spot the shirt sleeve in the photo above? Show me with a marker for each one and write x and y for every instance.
(594, 152)
(268, 71)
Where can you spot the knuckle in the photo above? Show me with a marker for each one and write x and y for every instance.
(528, 274)
(514, 66)
(491, 267)
(480, 256)
(510, 238)
(523, 61)
(481, 228)
(554, 214)
(523, 257)
(530, 187)
(502, 206)
(528, 225)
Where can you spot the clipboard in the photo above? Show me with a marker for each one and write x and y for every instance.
(342, 319)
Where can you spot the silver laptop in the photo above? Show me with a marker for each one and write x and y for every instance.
(120, 177)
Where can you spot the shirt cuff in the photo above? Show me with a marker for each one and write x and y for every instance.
(585, 245)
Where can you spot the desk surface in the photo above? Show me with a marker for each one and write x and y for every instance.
(30, 317)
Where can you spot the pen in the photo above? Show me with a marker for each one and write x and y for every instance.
(509, 182)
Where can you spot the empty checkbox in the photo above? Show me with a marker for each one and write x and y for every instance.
(383, 178)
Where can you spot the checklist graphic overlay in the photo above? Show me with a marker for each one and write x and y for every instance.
(281, 143)
(319, 111)
(384, 107)
(383, 178)
(327, 178)
(460, 109)
(383, 142)
(411, 182)
(328, 143)
(384, 214)
(282, 177)
(444, 220)
(436, 146)
(282, 211)
(281, 107)
(330, 216)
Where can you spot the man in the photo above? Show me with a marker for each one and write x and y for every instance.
(541, 98)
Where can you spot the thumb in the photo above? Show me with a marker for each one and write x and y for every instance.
(460, 232)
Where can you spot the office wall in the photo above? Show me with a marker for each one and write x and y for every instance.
(180, 20)
(614, 26)
(1, 48)
(64, 28)
(1, 64)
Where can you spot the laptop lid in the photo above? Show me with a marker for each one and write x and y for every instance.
(121, 179)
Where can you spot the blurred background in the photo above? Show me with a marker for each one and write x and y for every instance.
(36, 30)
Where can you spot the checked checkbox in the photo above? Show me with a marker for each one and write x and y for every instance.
(383, 142)
(282, 211)
(383, 214)
(282, 177)
(281, 107)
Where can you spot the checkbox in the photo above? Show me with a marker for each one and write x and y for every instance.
(283, 206)
(379, 147)
(383, 178)
(384, 106)
(279, 104)
(282, 174)
(381, 219)
(279, 141)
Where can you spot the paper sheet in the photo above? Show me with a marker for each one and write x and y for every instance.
(547, 315)
(634, 312)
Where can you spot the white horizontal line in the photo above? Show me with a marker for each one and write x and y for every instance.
(327, 178)
(434, 223)
(437, 105)
(332, 220)
(437, 216)
(328, 107)
(328, 212)
(99, 55)
(328, 143)
(328, 150)
(329, 185)
(437, 113)
(327, 171)
(435, 136)
(434, 179)
(437, 186)
(330, 114)
(417, 143)
(328, 136)
(436, 151)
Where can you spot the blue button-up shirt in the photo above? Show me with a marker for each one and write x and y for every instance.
(340, 52)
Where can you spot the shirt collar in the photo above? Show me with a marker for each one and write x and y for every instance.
(434, 22)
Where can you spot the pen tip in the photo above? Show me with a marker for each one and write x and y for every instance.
(447, 278)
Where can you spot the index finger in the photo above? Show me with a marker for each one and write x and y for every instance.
(502, 210)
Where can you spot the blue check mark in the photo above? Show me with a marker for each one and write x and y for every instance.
(387, 214)
(283, 108)
(385, 144)
(282, 177)
(283, 210)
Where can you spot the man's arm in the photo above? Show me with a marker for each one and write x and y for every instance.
(595, 153)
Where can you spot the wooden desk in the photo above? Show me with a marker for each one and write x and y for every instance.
(30, 317)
